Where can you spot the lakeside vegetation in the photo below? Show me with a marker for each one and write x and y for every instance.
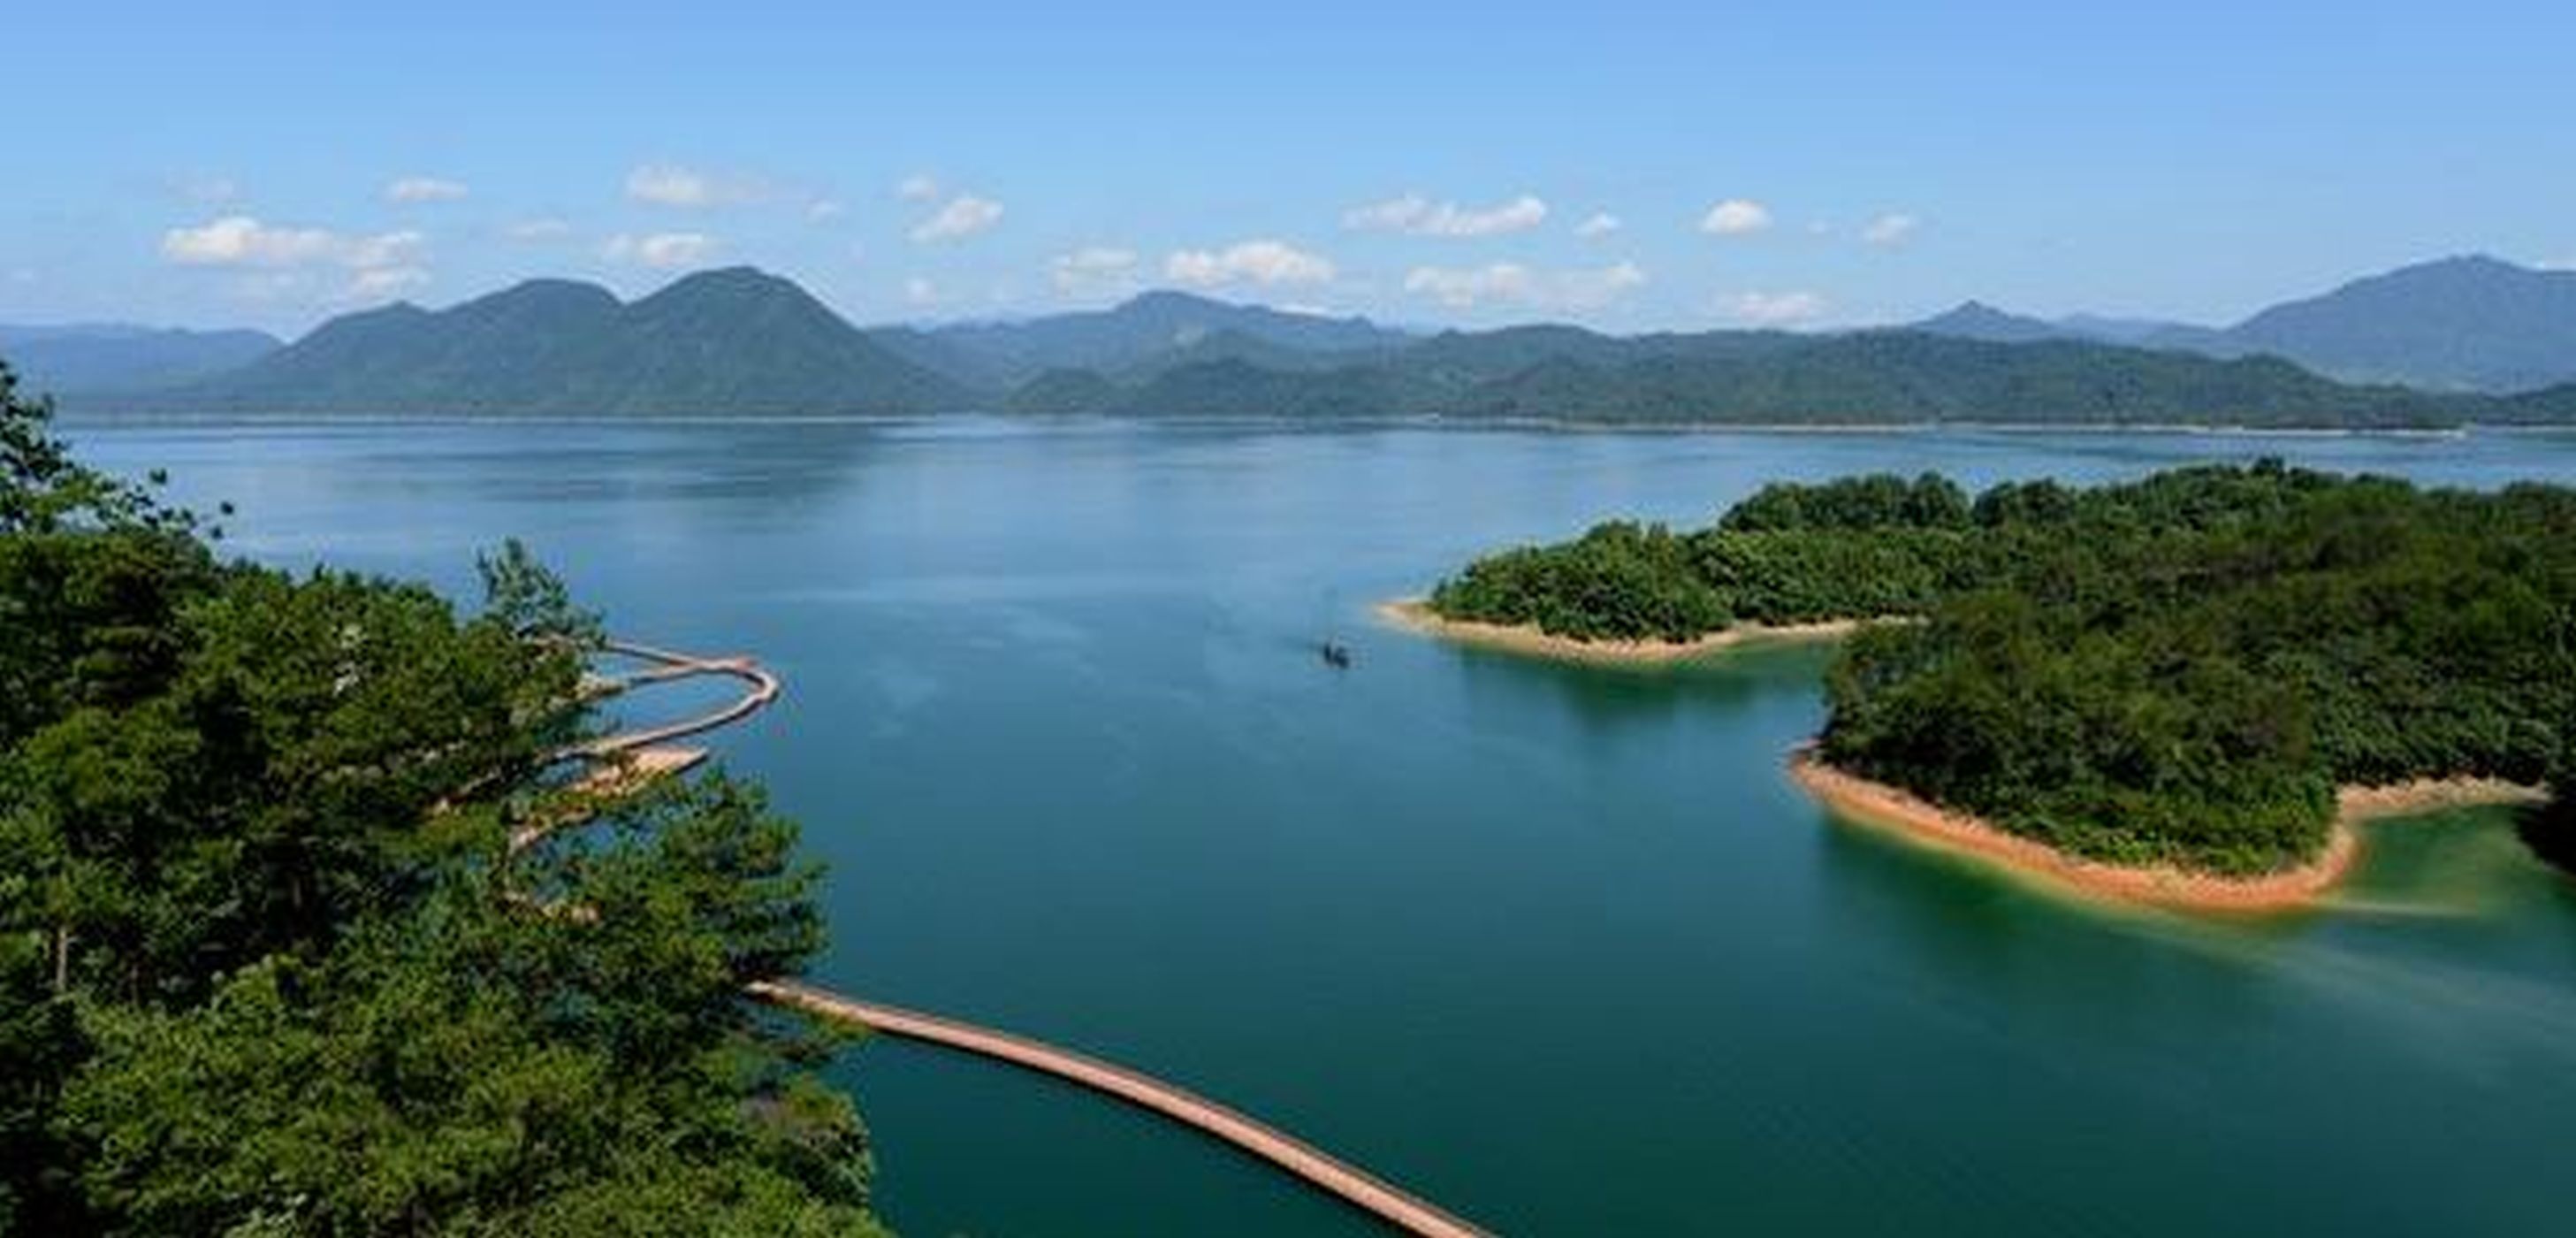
(2178, 670)
(267, 962)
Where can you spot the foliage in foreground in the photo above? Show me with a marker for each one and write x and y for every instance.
(266, 962)
(2178, 669)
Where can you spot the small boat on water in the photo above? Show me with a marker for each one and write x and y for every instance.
(1336, 655)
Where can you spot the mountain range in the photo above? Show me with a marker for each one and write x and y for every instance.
(98, 357)
(2463, 333)
(2458, 324)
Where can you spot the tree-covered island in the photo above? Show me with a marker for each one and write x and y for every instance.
(2172, 673)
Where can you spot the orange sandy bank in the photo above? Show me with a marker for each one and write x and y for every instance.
(1883, 805)
(1416, 615)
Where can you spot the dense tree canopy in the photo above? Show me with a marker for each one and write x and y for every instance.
(2177, 669)
(267, 961)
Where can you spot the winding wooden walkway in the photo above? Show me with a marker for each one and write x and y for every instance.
(634, 756)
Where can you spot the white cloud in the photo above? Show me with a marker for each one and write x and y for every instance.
(424, 189)
(385, 249)
(1258, 262)
(1420, 216)
(1510, 283)
(669, 184)
(824, 210)
(918, 187)
(242, 240)
(1584, 289)
(547, 229)
(1736, 217)
(1601, 223)
(1774, 309)
(662, 250)
(964, 216)
(385, 282)
(1464, 289)
(1889, 230)
(919, 291)
(1092, 270)
(279, 263)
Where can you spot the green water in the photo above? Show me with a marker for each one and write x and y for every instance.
(1559, 948)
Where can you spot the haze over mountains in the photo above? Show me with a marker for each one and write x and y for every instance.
(2458, 324)
(93, 357)
(740, 342)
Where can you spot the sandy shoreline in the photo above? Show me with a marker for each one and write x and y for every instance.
(2163, 885)
(1414, 614)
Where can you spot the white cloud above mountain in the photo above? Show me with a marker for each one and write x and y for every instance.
(418, 189)
(659, 250)
(963, 216)
(243, 240)
(1511, 283)
(1774, 309)
(1265, 262)
(671, 184)
(1890, 230)
(1093, 270)
(1416, 215)
(1736, 217)
(280, 262)
(544, 228)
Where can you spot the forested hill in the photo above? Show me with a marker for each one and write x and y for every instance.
(269, 961)
(2174, 670)
(1144, 331)
(727, 342)
(1747, 378)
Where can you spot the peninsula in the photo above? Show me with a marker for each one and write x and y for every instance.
(2181, 689)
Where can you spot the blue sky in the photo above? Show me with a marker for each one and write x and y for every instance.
(1627, 166)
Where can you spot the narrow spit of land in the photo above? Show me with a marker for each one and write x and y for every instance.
(1894, 808)
(1416, 615)
(624, 762)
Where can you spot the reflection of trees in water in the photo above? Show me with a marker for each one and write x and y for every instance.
(2550, 832)
(1606, 697)
(1978, 924)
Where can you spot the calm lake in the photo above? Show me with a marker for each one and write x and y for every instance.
(1559, 948)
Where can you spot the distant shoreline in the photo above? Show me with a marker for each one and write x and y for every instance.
(1415, 614)
(81, 410)
(1900, 811)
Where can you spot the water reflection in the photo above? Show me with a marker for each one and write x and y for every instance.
(1612, 697)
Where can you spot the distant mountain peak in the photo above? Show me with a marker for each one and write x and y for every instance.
(1976, 320)
(735, 340)
(1171, 298)
(2470, 321)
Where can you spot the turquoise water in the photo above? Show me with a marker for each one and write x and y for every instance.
(1560, 948)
